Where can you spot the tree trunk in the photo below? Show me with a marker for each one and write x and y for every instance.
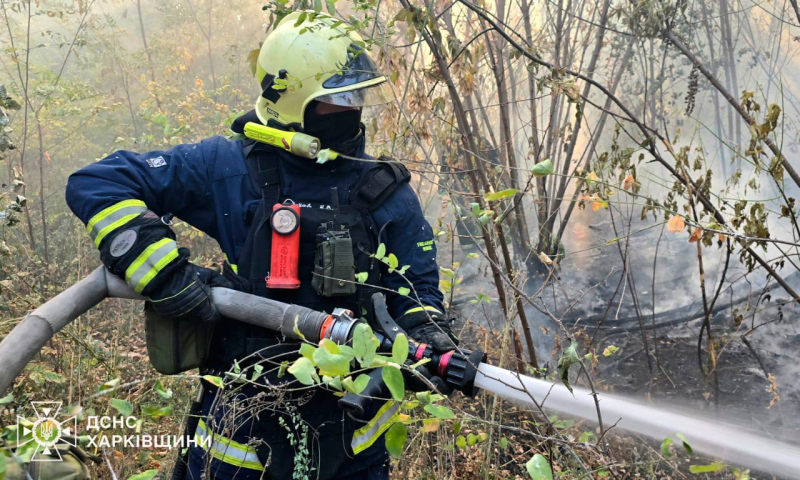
(147, 51)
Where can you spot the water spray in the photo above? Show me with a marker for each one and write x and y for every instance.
(462, 370)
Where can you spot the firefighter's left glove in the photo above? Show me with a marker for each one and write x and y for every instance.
(186, 294)
(431, 327)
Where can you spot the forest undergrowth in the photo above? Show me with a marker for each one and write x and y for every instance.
(612, 185)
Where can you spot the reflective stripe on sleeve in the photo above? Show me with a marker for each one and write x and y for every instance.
(227, 450)
(151, 261)
(420, 309)
(364, 437)
(113, 217)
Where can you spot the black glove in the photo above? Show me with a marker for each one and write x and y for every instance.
(178, 289)
(238, 282)
(121, 248)
(431, 327)
(416, 384)
(186, 294)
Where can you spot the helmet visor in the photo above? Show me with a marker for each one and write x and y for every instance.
(379, 94)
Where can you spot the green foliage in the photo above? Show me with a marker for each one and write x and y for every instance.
(542, 169)
(396, 438)
(538, 468)
(568, 358)
(711, 468)
(146, 475)
(124, 407)
(393, 378)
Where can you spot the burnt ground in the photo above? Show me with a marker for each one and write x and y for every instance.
(758, 388)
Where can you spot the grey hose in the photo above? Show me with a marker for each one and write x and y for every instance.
(39, 326)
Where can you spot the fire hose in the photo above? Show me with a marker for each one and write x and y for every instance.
(462, 370)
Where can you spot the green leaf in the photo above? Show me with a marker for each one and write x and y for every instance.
(258, 369)
(356, 386)
(333, 382)
(331, 4)
(666, 447)
(213, 380)
(362, 277)
(439, 411)
(146, 475)
(404, 291)
(317, 6)
(300, 19)
(161, 391)
(282, 369)
(252, 59)
(427, 397)
(393, 262)
(472, 439)
(333, 364)
(568, 358)
(111, 384)
(542, 169)
(7, 399)
(307, 350)
(156, 412)
(124, 407)
(712, 468)
(303, 371)
(494, 196)
(461, 441)
(610, 350)
(504, 443)
(538, 468)
(381, 251)
(393, 378)
(685, 442)
(396, 438)
(400, 349)
(365, 344)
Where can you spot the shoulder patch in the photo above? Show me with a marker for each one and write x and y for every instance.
(156, 162)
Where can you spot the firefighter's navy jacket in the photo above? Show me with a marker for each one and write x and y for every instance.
(207, 185)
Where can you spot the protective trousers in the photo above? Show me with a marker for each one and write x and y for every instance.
(255, 435)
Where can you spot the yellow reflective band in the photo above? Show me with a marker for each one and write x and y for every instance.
(227, 450)
(364, 437)
(114, 217)
(233, 266)
(151, 261)
(420, 309)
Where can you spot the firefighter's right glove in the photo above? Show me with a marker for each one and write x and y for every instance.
(431, 327)
(144, 253)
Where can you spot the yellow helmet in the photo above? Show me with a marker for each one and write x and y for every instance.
(310, 56)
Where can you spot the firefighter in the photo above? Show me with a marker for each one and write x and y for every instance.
(315, 78)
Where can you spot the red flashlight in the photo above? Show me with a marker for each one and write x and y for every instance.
(285, 222)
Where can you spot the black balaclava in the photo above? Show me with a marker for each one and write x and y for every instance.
(335, 130)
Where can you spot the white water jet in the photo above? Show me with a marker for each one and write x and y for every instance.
(720, 441)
